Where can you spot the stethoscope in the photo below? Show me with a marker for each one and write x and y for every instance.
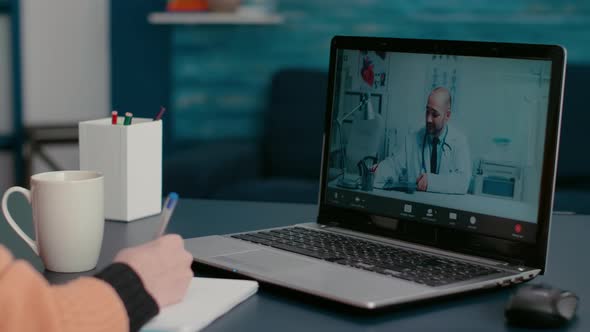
(443, 142)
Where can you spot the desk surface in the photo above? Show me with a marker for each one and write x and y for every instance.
(272, 310)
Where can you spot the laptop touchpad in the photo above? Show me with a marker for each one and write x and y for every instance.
(263, 261)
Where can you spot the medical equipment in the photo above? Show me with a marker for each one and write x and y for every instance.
(363, 135)
(366, 172)
(498, 179)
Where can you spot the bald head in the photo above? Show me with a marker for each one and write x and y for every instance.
(440, 97)
(438, 110)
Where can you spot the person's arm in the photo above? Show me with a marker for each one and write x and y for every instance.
(456, 182)
(29, 303)
(122, 297)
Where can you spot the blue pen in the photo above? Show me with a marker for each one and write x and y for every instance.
(167, 210)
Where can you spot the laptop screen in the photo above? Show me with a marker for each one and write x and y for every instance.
(448, 140)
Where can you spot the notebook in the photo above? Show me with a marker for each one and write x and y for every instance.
(206, 300)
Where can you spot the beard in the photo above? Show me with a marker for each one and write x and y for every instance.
(433, 130)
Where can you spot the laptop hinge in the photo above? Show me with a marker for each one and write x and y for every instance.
(329, 224)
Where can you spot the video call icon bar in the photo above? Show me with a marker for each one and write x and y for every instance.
(440, 216)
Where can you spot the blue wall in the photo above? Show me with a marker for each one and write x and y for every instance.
(220, 74)
(140, 59)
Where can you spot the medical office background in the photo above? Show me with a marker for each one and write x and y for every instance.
(65, 61)
(500, 105)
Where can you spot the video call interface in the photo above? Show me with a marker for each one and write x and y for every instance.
(454, 141)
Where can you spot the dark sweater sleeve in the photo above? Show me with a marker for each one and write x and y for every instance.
(140, 305)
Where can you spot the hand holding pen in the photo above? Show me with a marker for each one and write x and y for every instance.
(166, 214)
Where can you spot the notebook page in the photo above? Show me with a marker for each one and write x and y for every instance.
(206, 300)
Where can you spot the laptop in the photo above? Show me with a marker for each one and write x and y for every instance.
(437, 176)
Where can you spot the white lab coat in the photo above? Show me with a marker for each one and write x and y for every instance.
(454, 169)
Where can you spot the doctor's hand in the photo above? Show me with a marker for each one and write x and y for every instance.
(422, 182)
(164, 267)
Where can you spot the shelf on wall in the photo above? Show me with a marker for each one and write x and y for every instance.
(212, 18)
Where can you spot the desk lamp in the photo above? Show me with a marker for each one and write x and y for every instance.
(369, 114)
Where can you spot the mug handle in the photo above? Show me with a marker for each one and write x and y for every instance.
(11, 222)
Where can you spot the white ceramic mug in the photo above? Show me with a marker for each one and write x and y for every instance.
(68, 215)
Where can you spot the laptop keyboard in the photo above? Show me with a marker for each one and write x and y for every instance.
(387, 260)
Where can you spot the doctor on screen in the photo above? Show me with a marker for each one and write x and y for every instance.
(436, 158)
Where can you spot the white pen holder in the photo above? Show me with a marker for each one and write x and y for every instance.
(130, 158)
